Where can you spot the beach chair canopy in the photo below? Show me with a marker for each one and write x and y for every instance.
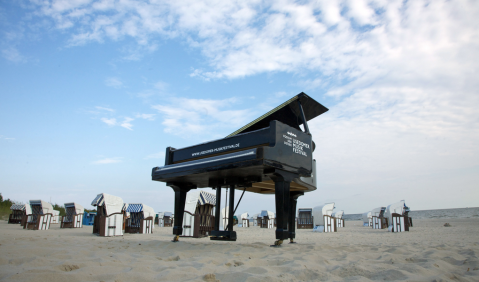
(136, 208)
(55, 213)
(111, 203)
(198, 197)
(338, 214)
(305, 211)
(320, 211)
(78, 208)
(269, 214)
(377, 211)
(161, 214)
(170, 214)
(44, 206)
(16, 207)
(398, 207)
(244, 215)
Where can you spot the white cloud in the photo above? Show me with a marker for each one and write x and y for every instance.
(109, 121)
(114, 82)
(146, 116)
(184, 116)
(105, 109)
(126, 123)
(108, 161)
(7, 138)
(12, 54)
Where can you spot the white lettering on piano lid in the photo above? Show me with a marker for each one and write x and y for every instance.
(219, 149)
(298, 146)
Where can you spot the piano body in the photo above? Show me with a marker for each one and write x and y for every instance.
(270, 155)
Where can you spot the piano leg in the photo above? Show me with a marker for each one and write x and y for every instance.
(218, 208)
(293, 200)
(282, 181)
(226, 235)
(180, 199)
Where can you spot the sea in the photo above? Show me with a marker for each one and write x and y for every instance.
(443, 213)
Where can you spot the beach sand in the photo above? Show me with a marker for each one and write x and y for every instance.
(429, 252)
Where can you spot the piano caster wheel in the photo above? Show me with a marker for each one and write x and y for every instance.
(291, 241)
(277, 243)
(176, 238)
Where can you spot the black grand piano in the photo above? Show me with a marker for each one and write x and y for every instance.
(270, 155)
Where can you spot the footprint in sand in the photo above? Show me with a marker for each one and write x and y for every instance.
(69, 267)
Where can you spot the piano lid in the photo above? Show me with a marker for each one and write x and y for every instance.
(287, 113)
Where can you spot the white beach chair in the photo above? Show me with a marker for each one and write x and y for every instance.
(41, 215)
(55, 217)
(399, 219)
(245, 220)
(367, 219)
(198, 218)
(267, 219)
(323, 221)
(339, 218)
(109, 220)
(140, 219)
(73, 216)
(378, 219)
(305, 218)
(18, 212)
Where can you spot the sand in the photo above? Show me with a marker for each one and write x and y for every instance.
(429, 252)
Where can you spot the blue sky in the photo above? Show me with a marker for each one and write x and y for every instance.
(92, 92)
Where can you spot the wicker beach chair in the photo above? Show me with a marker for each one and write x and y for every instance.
(109, 219)
(398, 216)
(40, 217)
(55, 217)
(18, 212)
(245, 220)
(367, 219)
(140, 219)
(198, 218)
(267, 219)
(378, 219)
(305, 218)
(73, 216)
(339, 218)
(89, 218)
(322, 219)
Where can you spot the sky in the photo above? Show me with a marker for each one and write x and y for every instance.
(92, 93)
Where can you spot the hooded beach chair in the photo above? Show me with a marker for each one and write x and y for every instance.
(367, 219)
(245, 220)
(322, 219)
(40, 217)
(55, 217)
(267, 219)
(109, 219)
(140, 219)
(378, 218)
(398, 215)
(198, 218)
(89, 218)
(305, 219)
(165, 219)
(18, 212)
(339, 218)
(73, 216)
